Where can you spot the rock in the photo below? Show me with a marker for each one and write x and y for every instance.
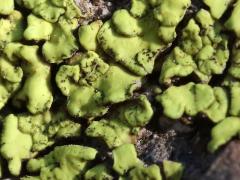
(226, 165)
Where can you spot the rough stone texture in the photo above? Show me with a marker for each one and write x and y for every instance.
(178, 142)
(99, 9)
(226, 165)
(191, 151)
(189, 148)
(155, 147)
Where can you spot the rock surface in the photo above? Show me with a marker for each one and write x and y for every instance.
(226, 165)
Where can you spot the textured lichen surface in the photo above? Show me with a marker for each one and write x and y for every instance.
(81, 82)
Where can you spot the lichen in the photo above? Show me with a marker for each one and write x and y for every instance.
(64, 162)
(201, 50)
(70, 79)
(129, 30)
(11, 28)
(36, 91)
(25, 135)
(223, 132)
(105, 84)
(191, 99)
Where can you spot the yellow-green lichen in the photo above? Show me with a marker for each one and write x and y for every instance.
(202, 50)
(131, 29)
(106, 84)
(191, 99)
(64, 162)
(25, 135)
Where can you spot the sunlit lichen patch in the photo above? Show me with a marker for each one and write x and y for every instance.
(202, 50)
(87, 86)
